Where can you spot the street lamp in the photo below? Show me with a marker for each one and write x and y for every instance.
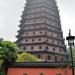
(71, 43)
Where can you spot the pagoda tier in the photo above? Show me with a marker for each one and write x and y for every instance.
(40, 31)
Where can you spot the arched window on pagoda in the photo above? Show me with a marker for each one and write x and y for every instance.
(46, 48)
(24, 48)
(40, 32)
(32, 47)
(55, 58)
(62, 59)
(39, 56)
(40, 47)
(49, 57)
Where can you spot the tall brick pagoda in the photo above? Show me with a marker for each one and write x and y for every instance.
(40, 31)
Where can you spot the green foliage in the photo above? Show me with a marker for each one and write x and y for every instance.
(2, 73)
(27, 57)
(1, 63)
(8, 51)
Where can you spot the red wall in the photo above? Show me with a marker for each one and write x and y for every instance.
(37, 71)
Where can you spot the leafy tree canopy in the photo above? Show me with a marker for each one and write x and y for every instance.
(1, 63)
(27, 57)
(8, 51)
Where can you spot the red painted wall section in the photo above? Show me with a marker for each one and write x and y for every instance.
(37, 71)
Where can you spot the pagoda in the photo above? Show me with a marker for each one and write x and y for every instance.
(40, 31)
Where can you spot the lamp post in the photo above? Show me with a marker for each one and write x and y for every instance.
(71, 43)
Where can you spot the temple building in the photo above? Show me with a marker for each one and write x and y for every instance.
(40, 31)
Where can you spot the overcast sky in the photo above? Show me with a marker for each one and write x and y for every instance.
(11, 10)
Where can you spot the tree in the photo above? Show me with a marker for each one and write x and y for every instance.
(27, 57)
(0, 63)
(8, 53)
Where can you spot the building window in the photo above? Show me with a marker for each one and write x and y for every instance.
(24, 48)
(49, 58)
(47, 40)
(39, 39)
(52, 41)
(55, 58)
(26, 40)
(62, 59)
(40, 47)
(34, 33)
(39, 56)
(40, 20)
(53, 49)
(32, 40)
(40, 32)
(32, 47)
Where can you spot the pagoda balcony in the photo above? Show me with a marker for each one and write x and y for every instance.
(43, 2)
(42, 11)
(40, 36)
(41, 43)
(56, 29)
(44, 51)
(43, 6)
(43, 16)
(40, 23)
(20, 32)
(43, 28)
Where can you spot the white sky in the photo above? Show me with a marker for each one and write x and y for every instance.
(11, 10)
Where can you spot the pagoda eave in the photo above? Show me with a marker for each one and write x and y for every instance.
(42, 43)
(43, 51)
(40, 64)
(44, 28)
(44, 35)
